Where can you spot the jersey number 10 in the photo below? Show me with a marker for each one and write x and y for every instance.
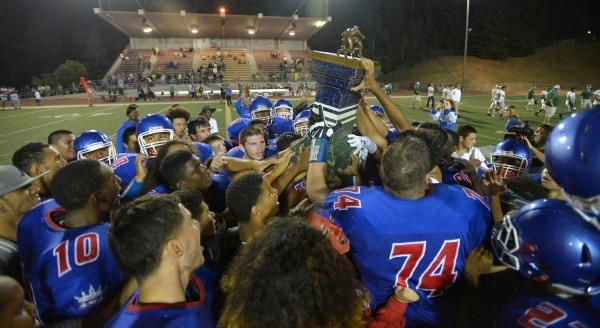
(86, 250)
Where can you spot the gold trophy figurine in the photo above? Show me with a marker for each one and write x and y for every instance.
(352, 42)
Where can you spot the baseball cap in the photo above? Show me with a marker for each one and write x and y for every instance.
(557, 87)
(597, 93)
(12, 178)
(205, 108)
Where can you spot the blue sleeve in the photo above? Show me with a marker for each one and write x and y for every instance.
(132, 192)
(204, 151)
(119, 142)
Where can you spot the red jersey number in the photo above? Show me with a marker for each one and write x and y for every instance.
(440, 273)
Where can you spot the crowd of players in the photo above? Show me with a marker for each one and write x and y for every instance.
(176, 226)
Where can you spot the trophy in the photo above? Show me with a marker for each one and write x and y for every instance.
(335, 74)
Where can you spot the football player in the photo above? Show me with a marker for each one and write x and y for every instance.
(415, 249)
(549, 242)
(63, 248)
(572, 159)
(96, 145)
(514, 155)
(156, 241)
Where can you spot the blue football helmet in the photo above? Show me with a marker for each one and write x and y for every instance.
(573, 158)
(378, 110)
(301, 122)
(546, 240)
(514, 154)
(90, 141)
(260, 108)
(150, 125)
(285, 109)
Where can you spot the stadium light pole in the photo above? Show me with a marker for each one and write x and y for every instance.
(464, 73)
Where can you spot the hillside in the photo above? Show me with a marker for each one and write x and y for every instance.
(567, 65)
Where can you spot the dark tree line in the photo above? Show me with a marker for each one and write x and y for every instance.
(38, 36)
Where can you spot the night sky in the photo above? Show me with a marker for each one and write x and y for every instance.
(38, 36)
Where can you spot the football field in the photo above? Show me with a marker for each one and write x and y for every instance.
(31, 124)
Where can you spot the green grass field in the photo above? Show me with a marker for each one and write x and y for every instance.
(30, 124)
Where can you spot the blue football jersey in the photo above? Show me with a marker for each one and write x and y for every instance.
(118, 138)
(124, 168)
(534, 311)
(204, 151)
(452, 175)
(235, 152)
(421, 243)
(197, 311)
(71, 272)
(234, 128)
(279, 126)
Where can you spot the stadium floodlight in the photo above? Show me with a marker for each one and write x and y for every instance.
(194, 30)
(292, 33)
(222, 12)
(251, 32)
(147, 29)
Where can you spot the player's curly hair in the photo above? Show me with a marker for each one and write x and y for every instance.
(73, 185)
(405, 163)
(139, 232)
(178, 112)
(290, 276)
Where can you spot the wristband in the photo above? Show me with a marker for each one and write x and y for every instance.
(318, 150)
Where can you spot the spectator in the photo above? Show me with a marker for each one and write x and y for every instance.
(207, 113)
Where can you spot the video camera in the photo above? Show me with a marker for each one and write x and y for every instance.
(523, 129)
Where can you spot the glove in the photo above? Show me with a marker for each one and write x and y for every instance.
(360, 142)
(321, 134)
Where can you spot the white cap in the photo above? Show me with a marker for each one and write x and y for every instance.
(557, 87)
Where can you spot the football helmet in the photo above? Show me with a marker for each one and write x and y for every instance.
(260, 108)
(573, 160)
(301, 122)
(546, 240)
(378, 110)
(283, 104)
(514, 154)
(149, 125)
(92, 140)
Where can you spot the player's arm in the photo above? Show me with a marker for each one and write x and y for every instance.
(367, 128)
(369, 83)
(292, 172)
